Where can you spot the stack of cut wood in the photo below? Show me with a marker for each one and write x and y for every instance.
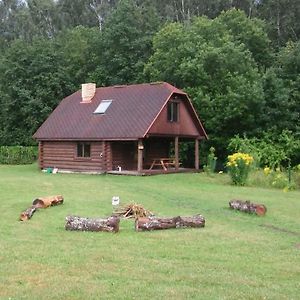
(42, 202)
(248, 207)
(154, 223)
(110, 224)
(132, 210)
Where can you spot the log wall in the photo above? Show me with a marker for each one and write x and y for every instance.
(63, 155)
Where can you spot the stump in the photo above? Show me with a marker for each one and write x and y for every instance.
(44, 202)
(28, 213)
(154, 223)
(110, 224)
(248, 207)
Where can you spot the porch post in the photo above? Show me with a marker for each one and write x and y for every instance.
(140, 155)
(196, 154)
(176, 152)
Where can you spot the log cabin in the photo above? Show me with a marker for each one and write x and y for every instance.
(126, 128)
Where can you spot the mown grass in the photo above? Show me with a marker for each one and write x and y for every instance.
(236, 256)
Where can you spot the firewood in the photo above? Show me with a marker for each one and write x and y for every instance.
(248, 207)
(28, 213)
(44, 202)
(132, 210)
(155, 223)
(110, 224)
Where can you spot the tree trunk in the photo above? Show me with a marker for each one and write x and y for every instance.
(154, 223)
(110, 224)
(44, 202)
(247, 206)
(28, 213)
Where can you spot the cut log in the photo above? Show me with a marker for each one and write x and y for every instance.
(248, 207)
(44, 202)
(28, 213)
(154, 223)
(110, 224)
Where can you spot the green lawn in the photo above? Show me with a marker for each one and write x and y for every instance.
(236, 256)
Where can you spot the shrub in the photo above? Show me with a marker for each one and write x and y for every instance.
(270, 150)
(17, 155)
(239, 165)
(211, 161)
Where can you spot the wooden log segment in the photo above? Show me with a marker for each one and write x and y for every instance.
(44, 202)
(154, 223)
(28, 213)
(248, 207)
(110, 224)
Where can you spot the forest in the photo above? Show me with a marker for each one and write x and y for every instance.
(239, 61)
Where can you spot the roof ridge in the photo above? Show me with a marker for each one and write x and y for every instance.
(135, 84)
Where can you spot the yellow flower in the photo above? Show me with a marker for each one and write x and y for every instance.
(267, 171)
(236, 157)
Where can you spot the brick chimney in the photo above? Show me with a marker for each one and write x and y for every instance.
(88, 91)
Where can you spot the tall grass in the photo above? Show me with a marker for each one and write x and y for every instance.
(17, 155)
(236, 256)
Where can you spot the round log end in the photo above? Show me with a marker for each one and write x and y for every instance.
(23, 217)
(260, 210)
(114, 222)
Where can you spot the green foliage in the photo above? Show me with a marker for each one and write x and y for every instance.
(126, 43)
(216, 70)
(210, 166)
(270, 150)
(17, 155)
(79, 49)
(251, 32)
(33, 80)
(282, 19)
(239, 166)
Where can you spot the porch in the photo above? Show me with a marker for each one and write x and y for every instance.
(147, 172)
(151, 156)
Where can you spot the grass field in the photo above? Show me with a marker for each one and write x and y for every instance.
(236, 256)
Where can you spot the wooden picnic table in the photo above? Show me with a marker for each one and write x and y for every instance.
(163, 162)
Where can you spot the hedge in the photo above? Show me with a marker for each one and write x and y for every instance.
(17, 155)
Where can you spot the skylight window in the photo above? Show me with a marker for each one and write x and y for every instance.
(103, 106)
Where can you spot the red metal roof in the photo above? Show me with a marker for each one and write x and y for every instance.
(133, 109)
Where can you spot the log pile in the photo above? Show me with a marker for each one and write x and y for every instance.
(154, 223)
(110, 224)
(42, 202)
(248, 207)
(132, 210)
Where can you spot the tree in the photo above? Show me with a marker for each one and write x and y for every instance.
(15, 21)
(251, 32)
(78, 47)
(282, 17)
(32, 82)
(217, 71)
(126, 44)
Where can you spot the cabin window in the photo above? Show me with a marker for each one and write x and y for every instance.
(173, 111)
(83, 150)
